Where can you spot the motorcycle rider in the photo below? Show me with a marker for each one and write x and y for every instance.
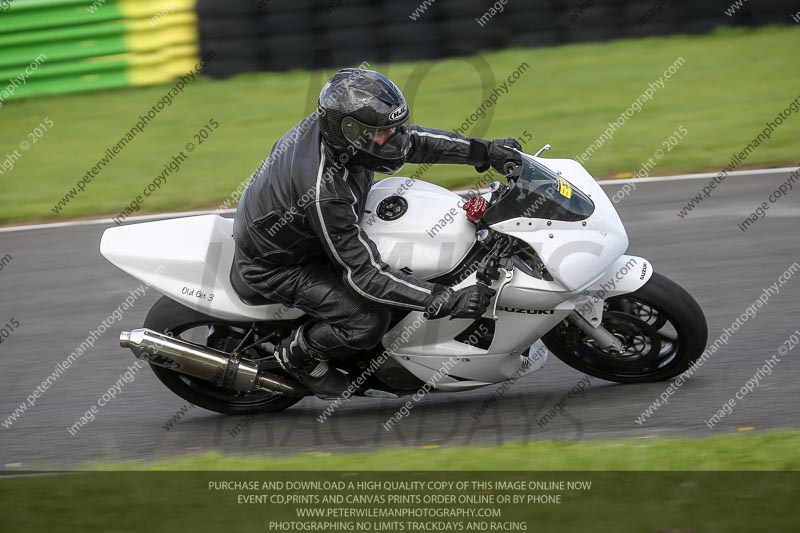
(297, 233)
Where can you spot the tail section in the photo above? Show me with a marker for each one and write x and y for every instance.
(189, 260)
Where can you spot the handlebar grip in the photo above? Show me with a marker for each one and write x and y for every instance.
(512, 169)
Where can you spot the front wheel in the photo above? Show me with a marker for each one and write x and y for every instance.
(169, 317)
(661, 327)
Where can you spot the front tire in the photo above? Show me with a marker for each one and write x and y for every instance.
(661, 325)
(169, 317)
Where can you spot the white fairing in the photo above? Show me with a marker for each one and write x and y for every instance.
(587, 264)
(431, 238)
(575, 253)
(188, 259)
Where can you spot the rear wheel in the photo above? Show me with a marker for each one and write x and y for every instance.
(169, 317)
(661, 327)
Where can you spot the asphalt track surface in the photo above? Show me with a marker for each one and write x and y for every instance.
(58, 287)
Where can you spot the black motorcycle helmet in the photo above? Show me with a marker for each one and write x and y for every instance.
(364, 117)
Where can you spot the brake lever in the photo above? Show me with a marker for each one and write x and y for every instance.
(506, 279)
(542, 149)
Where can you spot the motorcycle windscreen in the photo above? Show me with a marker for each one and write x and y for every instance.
(540, 193)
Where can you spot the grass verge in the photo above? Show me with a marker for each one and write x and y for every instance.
(743, 451)
(566, 96)
(586, 489)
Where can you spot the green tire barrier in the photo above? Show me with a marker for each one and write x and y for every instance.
(63, 46)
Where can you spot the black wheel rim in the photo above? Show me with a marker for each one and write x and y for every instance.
(651, 341)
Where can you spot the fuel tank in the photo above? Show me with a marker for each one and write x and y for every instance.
(418, 226)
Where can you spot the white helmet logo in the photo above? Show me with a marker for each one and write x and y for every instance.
(399, 112)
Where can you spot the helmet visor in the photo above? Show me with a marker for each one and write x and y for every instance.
(385, 142)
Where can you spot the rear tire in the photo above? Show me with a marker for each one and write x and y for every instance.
(169, 317)
(662, 325)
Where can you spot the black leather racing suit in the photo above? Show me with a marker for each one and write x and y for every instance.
(298, 241)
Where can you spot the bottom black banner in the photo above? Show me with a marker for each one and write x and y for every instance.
(399, 501)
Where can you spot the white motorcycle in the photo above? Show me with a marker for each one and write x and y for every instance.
(550, 243)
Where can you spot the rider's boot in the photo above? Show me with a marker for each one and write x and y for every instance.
(294, 355)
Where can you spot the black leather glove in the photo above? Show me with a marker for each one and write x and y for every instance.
(469, 302)
(483, 153)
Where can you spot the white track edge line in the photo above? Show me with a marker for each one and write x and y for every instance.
(159, 216)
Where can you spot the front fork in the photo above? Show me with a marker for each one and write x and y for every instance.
(599, 334)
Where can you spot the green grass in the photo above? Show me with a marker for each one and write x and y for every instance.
(744, 451)
(732, 82)
(721, 484)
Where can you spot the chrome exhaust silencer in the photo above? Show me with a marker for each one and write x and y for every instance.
(222, 369)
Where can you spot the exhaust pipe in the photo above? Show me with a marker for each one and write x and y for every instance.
(222, 369)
